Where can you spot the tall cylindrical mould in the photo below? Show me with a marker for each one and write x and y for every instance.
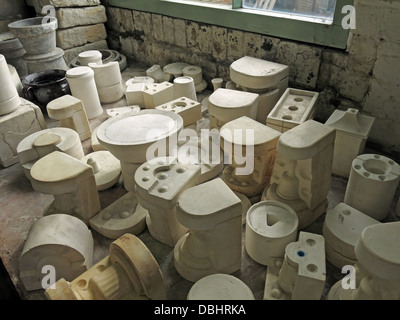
(37, 35)
(82, 86)
(184, 87)
(108, 74)
(9, 98)
(372, 185)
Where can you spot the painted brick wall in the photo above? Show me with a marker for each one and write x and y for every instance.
(366, 77)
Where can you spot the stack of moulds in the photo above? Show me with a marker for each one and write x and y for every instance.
(38, 37)
(80, 24)
(266, 78)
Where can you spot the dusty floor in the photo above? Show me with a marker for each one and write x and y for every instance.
(21, 206)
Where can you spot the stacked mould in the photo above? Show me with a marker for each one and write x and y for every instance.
(80, 24)
(38, 37)
(18, 117)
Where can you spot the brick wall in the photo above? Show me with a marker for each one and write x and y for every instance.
(366, 77)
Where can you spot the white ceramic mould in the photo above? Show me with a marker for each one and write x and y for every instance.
(159, 183)
(376, 274)
(59, 240)
(352, 131)
(107, 74)
(82, 85)
(270, 227)
(43, 142)
(9, 98)
(220, 287)
(372, 185)
(135, 94)
(122, 110)
(158, 93)
(302, 274)
(156, 73)
(194, 72)
(90, 56)
(70, 181)
(17, 125)
(302, 170)
(132, 137)
(342, 227)
(254, 73)
(188, 109)
(139, 79)
(268, 79)
(293, 108)
(213, 214)
(175, 69)
(225, 105)
(184, 87)
(94, 142)
(205, 153)
(251, 149)
(71, 114)
(125, 215)
(106, 168)
(108, 81)
(130, 272)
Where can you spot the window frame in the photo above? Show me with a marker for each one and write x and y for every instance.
(311, 31)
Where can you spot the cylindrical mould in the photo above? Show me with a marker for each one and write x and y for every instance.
(217, 83)
(184, 87)
(90, 56)
(106, 75)
(83, 87)
(9, 98)
(372, 185)
(111, 93)
(194, 72)
(270, 227)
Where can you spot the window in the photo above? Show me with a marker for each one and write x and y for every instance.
(310, 21)
(323, 9)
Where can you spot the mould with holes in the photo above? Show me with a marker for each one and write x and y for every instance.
(372, 185)
(341, 229)
(293, 108)
(159, 183)
(157, 94)
(302, 274)
(188, 109)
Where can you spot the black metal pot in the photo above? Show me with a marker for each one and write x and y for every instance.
(45, 86)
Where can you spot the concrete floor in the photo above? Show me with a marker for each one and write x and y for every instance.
(21, 206)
